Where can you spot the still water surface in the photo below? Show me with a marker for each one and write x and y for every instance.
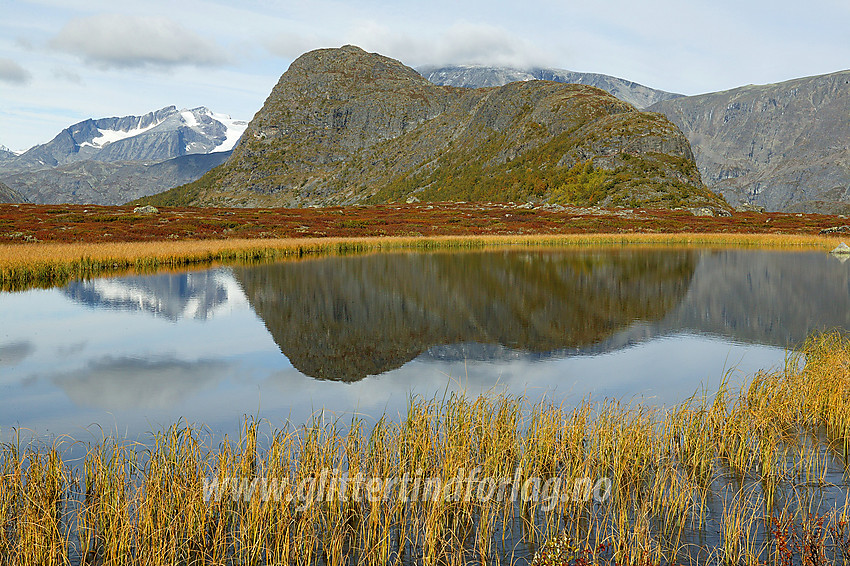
(344, 334)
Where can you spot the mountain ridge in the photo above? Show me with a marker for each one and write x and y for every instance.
(343, 126)
(779, 145)
(477, 76)
(114, 160)
(161, 134)
(111, 182)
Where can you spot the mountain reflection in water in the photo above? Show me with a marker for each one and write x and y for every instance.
(343, 318)
(346, 318)
(211, 346)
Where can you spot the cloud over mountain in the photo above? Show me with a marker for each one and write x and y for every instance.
(462, 42)
(122, 41)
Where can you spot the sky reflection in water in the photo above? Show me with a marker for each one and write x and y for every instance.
(135, 354)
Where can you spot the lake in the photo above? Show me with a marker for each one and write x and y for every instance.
(282, 342)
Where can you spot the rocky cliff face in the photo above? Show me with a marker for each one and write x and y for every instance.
(10, 195)
(782, 146)
(478, 76)
(343, 126)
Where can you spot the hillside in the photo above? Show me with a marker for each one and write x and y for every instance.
(478, 76)
(111, 182)
(343, 126)
(783, 146)
(10, 195)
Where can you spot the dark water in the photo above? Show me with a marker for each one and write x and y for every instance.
(283, 341)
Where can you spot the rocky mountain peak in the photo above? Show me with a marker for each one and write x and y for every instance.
(344, 126)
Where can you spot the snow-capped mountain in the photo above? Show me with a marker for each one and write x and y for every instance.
(6, 154)
(156, 136)
(115, 160)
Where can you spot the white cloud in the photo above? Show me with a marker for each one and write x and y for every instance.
(291, 45)
(463, 42)
(68, 75)
(127, 41)
(11, 72)
(126, 382)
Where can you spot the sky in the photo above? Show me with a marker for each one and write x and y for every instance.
(62, 62)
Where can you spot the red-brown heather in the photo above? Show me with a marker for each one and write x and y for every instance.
(90, 224)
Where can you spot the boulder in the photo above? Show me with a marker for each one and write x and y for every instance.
(148, 209)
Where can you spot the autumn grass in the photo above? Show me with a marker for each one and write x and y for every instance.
(48, 264)
(735, 477)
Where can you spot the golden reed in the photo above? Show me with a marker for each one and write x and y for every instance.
(733, 477)
(47, 264)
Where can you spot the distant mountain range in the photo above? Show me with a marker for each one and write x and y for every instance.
(477, 76)
(784, 146)
(110, 182)
(344, 126)
(114, 160)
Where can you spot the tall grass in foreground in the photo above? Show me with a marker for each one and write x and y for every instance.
(24, 266)
(755, 476)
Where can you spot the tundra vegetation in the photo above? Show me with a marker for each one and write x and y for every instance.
(50, 245)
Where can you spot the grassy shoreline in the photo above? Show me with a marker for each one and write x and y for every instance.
(45, 264)
(746, 468)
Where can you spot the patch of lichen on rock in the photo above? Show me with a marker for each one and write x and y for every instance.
(344, 126)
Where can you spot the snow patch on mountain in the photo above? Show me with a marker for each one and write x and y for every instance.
(235, 129)
(107, 137)
(4, 149)
(189, 117)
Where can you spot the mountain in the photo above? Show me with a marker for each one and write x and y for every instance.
(156, 136)
(6, 154)
(106, 183)
(10, 195)
(784, 146)
(478, 76)
(113, 160)
(343, 126)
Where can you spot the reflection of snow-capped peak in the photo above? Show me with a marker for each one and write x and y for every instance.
(200, 295)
